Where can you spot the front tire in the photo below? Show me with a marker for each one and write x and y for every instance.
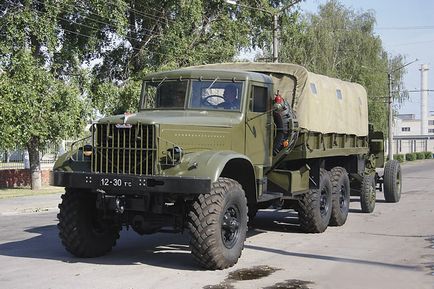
(392, 181)
(218, 225)
(341, 196)
(82, 231)
(315, 207)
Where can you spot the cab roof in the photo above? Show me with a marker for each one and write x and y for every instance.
(211, 73)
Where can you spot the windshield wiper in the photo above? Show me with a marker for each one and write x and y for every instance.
(161, 82)
(209, 87)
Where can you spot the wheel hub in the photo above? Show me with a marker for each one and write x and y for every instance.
(342, 199)
(398, 182)
(324, 205)
(230, 227)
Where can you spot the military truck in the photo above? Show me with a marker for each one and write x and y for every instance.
(194, 158)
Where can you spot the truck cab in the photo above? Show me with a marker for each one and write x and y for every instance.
(192, 99)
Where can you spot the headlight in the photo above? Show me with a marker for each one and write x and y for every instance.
(87, 150)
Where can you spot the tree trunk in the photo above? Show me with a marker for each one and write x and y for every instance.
(35, 165)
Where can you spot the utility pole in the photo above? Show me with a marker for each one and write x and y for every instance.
(390, 104)
(275, 13)
(424, 99)
(390, 108)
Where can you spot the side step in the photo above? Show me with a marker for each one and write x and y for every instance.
(270, 196)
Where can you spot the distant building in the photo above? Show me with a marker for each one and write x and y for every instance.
(411, 134)
(407, 136)
(407, 124)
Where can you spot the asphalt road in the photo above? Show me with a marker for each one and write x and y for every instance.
(390, 248)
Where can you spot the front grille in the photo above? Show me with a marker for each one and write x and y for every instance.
(124, 149)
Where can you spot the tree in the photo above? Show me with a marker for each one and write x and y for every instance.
(161, 35)
(39, 104)
(120, 40)
(36, 109)
(340, 42)
(44, 45)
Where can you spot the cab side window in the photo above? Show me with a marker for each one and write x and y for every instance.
(259, 99)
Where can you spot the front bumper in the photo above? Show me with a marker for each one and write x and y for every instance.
(131, 184)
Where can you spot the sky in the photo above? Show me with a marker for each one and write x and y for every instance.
(406, 28)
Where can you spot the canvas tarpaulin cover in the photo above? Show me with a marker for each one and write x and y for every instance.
(322, 104)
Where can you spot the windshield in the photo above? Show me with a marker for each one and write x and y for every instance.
(203, 94)
(216, 95)
(165, 94)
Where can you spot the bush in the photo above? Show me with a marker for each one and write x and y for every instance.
(420, 155)
(399, 158)
(410, 157)
(428, 155)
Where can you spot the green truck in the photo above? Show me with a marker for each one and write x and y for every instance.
(211, 145)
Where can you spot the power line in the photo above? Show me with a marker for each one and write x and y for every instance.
(164, 40)
(137, 49)
(411, 43)
(146, 15)
(90, 27)
(83, 25)
(406, 28)
(82, 9)
(131, 39)
(88, 36)
(420, 90)
(79, 8)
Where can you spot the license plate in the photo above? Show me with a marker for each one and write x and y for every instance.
(116, 182)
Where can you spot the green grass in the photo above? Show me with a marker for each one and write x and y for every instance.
(20, 192)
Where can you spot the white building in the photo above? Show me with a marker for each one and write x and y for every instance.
(407, 124)
(407, 137)
(411, 134)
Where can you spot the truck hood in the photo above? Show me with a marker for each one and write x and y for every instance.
(180, 117)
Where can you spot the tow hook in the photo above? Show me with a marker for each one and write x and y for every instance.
(111, 203)
(120, 204)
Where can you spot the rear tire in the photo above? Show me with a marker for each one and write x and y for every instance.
(368, 194)
(340, 196)
(218, 225)
(392, 181)
(82, 232)
(315, 207)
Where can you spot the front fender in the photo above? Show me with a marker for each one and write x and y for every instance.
(206, 164)
(73, 160)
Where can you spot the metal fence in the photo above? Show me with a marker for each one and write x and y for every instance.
(18, 158)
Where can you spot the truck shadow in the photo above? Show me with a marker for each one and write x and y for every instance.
(285, 221)
(159, 250)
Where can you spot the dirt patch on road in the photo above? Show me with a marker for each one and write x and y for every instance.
(430, 265)
(290, 284)
(258, 272)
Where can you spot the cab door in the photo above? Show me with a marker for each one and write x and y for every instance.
(258, 124)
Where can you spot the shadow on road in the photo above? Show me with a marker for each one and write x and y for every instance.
(159, 250)
(285, 221)
(335, 259)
